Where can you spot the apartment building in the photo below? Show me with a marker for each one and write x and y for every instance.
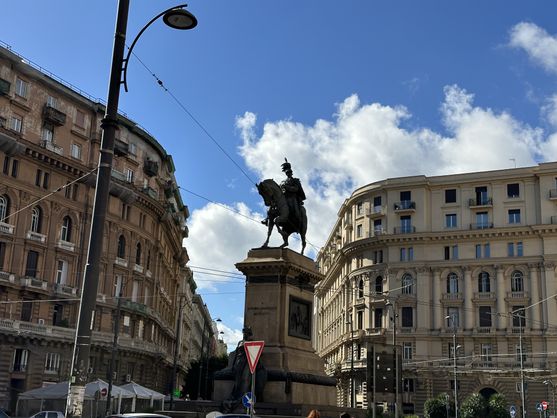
(430, 262)
(49, 144)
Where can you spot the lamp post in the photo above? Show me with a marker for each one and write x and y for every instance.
(395, 350)
(550, 382)
(177, 18)
(176, 349)
(349, 322)
(521, 319)
(201, 357)
(453, 321)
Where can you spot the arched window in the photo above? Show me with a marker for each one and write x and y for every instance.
(361, 288)
(36, 218)
(138, 254)
(517, 281)
(66, 231)
(407, 285)
(4, 208)
(148, 263)
(379, 284)
(121, 247)
(483, 282)
(452, 283)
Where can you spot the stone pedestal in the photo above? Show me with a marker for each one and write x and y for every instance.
(279, 311)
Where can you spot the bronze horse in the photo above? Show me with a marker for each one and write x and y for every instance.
(278, 214)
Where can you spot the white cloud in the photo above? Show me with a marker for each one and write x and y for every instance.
(538, 44)
(549, 110)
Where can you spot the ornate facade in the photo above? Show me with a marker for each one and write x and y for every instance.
(49, 144)
(469, 257)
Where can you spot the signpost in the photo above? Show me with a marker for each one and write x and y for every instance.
(104, 392)
(253, 351)
(512, 411)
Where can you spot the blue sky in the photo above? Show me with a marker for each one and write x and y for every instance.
(351, 92)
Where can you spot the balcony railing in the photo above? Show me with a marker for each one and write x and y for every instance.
(149, 191)
(452, 296)
(66, 245)
(35, 236)
(7, 277)
(407, 229)
(54, 115)
(65, 289)
(118, 175)
(405, 205)
(148, 273)
(518, 295)
(483, 330)
(6, 228)
(138, 268)
(482, 201)
(135, 306)
(484, 295)
(51, 146)
(121, 262)
(482, 225)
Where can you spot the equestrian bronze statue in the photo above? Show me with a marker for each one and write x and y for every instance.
(286, 207)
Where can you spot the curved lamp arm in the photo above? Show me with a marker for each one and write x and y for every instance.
(126, 60)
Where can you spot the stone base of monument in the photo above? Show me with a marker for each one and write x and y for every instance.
(279, 311)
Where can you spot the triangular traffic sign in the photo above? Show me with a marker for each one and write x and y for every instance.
(253, 351)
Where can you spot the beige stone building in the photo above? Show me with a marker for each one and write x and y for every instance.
(49, 144)
(450, 254)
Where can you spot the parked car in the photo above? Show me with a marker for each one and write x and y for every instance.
(137, 415)
(48, 414)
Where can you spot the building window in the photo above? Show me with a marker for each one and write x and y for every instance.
(485, 316)
(510, 249)
(517, 281)
(2, 254)
(450, 196)
(121, 247)
(21, 356)
(126, 209)
(450, 220)
(47, 134)
(16, 123)
(410, 254)
(6, 166)
(379, 284)
(132, 148)
(118, 285)
(21, 88)
(517, 357)
(80, 119)
(61, 272)
(403, 254)
(148, 262)
(377, 227)
(481, 196)
(36, 219)
(519, 249)
(75, 151)
(377, 204)
(129, 175)
(407, 317)
(52, 102)
(135, 290)
(377, 256)
(407, 351)
(4, 208)
(513, 190)
(138, 254)
(361, 288)
(452, 283)
(52, 363)
(32, 262)
(359, 209)
(482, 220)
(447, 253)
(406, 224)
(408, 385)
(360, 319)
(407, 285)
(514, 216)
(487, 351)
(487, 250)
(453, 317)
(519, 316)
(66, 230)
(15, 166)
(483, 282)
(378, 318)
(359, 230)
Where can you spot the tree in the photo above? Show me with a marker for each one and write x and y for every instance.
(437, 407)
(498, 407)
(475, 406)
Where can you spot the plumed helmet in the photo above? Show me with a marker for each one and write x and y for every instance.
(286, 165)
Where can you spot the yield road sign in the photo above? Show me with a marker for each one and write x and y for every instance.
(253, 351)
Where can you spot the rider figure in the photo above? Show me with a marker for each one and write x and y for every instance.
(293, 192)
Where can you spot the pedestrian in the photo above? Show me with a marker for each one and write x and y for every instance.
(314, 413)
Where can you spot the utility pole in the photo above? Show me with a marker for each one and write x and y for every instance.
(176, 350)
(119, 292)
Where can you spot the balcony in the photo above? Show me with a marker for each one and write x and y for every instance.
(4, 87)
(118, 175)
(33, 282)
(150, 168)
(122, 262)
(517, 296)
(405, 206)
(148, 273)
(481, 202)
(482, 225)
(101, 298)
(35, 236)
(21, 327)
(407, 229)
(65, 289)
(66, 245)
(483, 296)
(135, 306)
(454, 296)
(54, 116)
(376, 211)
(138, 268)
(120, 148)
(7, 277)
(51, 146)
(483, 330)
(9, 144)
(6, 228)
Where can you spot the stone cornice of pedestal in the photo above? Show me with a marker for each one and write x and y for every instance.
(280, 261)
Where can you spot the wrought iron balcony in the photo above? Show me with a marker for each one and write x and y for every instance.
(405, 205)
(482, 225)
(151, 168)
(149, 191)
(54, 115)
(407, 229)
(120, 148)
(481, 201)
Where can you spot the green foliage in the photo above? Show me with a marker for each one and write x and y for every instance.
(475, 406)
(437, 407)
(498, 407)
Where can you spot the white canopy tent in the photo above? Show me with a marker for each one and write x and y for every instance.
(141, 392)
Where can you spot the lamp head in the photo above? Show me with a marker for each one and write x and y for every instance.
(180, 19)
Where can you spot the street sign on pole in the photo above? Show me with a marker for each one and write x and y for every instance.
(544, 405)
(512, 411)
(247, 400)
(253, 351)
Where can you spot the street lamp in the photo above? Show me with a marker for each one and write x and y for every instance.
(521, 320)
(176, 19)
(455, 348)
(395, 350)
(349, 322)
(201, 358)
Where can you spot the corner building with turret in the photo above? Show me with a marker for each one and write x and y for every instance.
(49, 145)
(468, 258)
